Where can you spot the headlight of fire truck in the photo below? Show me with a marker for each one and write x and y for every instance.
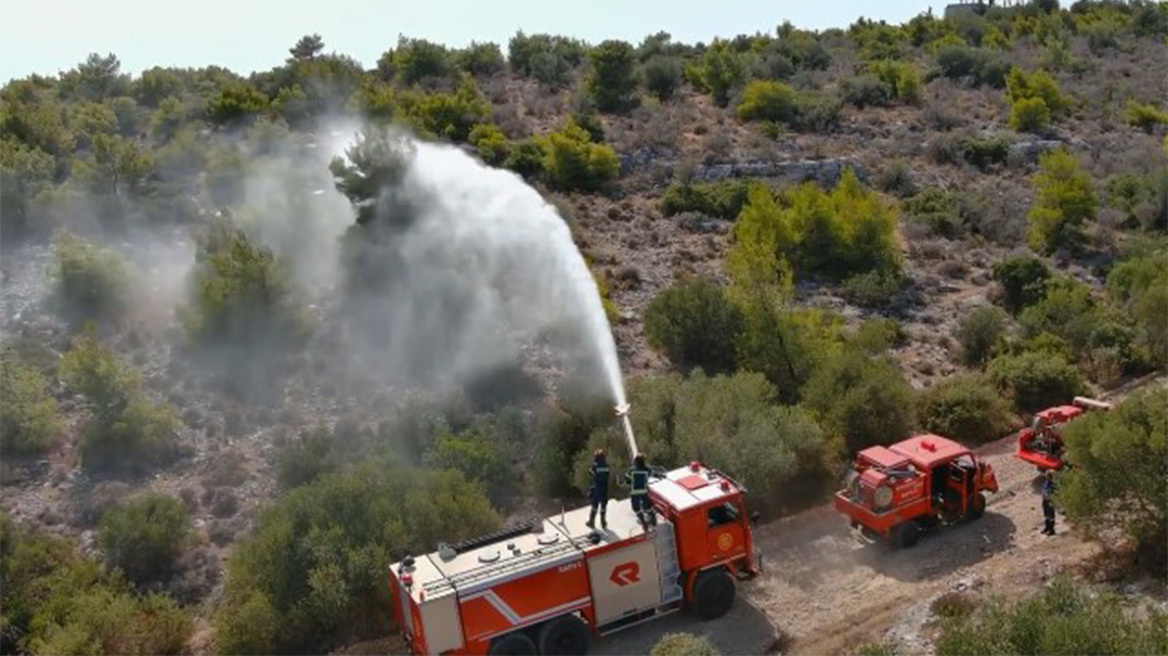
(882, 497)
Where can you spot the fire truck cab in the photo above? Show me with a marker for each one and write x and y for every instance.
(1042, 444)
(896, 492)
(547, 586)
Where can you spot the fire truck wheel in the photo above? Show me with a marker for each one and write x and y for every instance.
(906, 534)
(512, 644)
(713, 594)
(563, 636)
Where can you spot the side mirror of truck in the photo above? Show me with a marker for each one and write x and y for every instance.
(754, 518)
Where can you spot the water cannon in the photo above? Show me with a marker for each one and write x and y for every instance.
(622, 411)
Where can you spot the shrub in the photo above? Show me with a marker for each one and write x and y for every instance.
(526, 158)
(723, 199)
(236, 102)
(1118, 480)
(683, 644)
(980, 66)
(91, 281)
(1020, 86)
(30, 421)
(490, 143)
(1023, 280)
(875, 336)
(695, 325)
(93, 370)
(874, 289)
(613, 80)
(984, 152)
(1034, 380)
(850, 230)
(767, 100)
(1062, 618)
(734, 424)
(865, 90)
(1030, 115)
(572, 162)
(307, 459)
(447, 115)
(473, 454)
(902, 80)
(1065, 202)
(56, 601)
(720, 70)
(896, 179)
(1140, 284)
(145, 537)
(663, 76)
(864, 399)
(312, 573)
(1067, 310)
(415, 59)
(978, 332)
(1145, 117)
(481, 59)
(966, 408)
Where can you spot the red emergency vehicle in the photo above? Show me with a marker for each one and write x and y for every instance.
(1042, 444)
(548, 587)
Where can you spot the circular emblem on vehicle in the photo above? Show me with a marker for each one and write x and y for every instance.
(725, 541)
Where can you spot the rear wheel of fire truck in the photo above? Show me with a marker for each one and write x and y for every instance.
(563, 636)
(512, 644)
(713, 594)
(906, 534)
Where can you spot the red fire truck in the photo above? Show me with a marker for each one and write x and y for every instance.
(897, 492)
(1042, 444)
(548, 586)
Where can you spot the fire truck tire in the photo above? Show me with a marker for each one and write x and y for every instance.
(713, 594)
(512, 644)
(906, 534)
(564, 636)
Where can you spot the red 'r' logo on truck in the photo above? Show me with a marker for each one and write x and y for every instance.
(626, 573)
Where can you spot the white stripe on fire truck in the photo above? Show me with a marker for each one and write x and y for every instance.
(582, 602)
(478, 588)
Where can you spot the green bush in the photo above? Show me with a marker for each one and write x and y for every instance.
(1145, 117)
(490, 143)
(864, 399)
(472, 453)
(1067, 310)
(1140, 284)
(979, 65)
(30, 421)
(53, 600)
(864, 91)
(145, 537)
(874, 289)
(732, 423)
(126, 431)
(875, 336)
(481, 59)
(1118, 480)
(613, 79)
(723, 199)
(448, 115)
(526, 158)
(307, 459)
(414, 60)
(1035, 380)
(663, 76)
(91, 281)
(572, 162)
(849, 231)
(1030, 115)
(719, 71)
(937, 210)
(549, 59)
(236, 102)
(1064, 618)
(767, 100)
(683, 644)
(902, 79)
(1040, 85)
(978, 332)
(1064, 203)
(695, 325)
(313, 572)
(240, 293)
(1023, 280)
(967, 408)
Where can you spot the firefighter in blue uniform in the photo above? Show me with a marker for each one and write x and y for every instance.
(598, 493)
(638, 478)
(1048, 503)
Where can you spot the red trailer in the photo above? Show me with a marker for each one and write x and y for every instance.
(549, 586)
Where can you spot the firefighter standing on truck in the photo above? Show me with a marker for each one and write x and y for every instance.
(598, 492)
(1048, 503)
(638, 478)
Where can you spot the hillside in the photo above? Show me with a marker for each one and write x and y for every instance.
(262, 335)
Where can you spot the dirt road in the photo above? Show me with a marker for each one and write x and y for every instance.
(824, 590)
